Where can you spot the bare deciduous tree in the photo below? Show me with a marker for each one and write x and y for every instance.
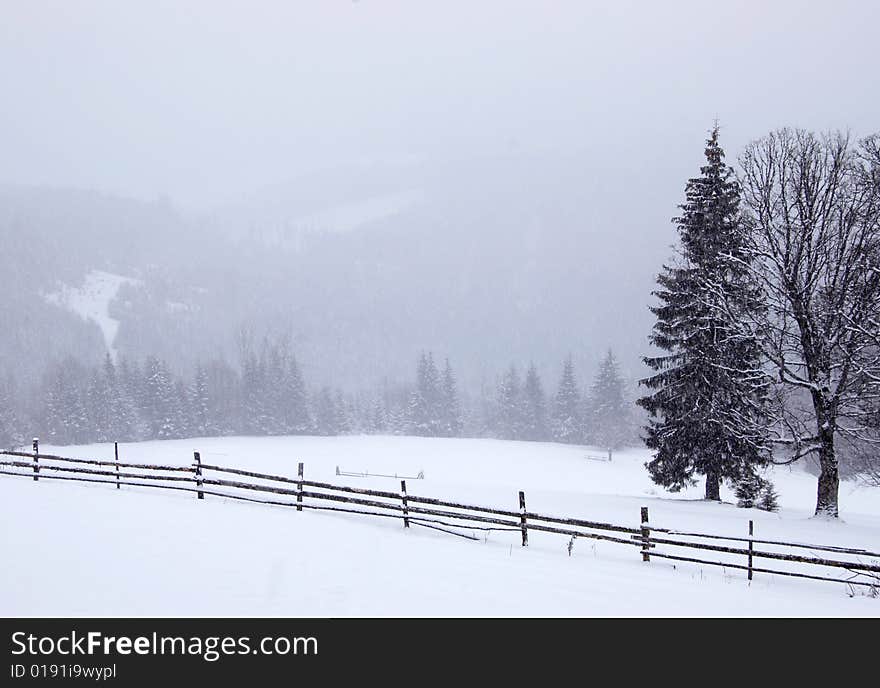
(813, 221)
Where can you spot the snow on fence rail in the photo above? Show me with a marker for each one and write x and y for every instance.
(443, 515)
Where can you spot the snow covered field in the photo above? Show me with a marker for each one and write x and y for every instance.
(77, 549)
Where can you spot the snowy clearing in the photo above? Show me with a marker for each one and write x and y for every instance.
(77, 549)
(92, 300)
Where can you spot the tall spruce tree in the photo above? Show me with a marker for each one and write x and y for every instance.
(123, 417)
(425, 401)
(566, 423)
(450, 413)
(99, 407)
(295, 399)
(509, 419)
(609, 422)
(327, 421)
(202, 425)
(708, 394)
(378, 418)
(534, 407)
(9, 430)
(65, 415)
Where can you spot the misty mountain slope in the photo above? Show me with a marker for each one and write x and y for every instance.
(51, 240)
(486, 261)
(498, 260)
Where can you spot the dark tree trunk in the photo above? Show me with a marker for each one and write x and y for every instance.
(713, 486)
(829, 477)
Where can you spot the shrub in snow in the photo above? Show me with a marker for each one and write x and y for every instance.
(748, 490)
(755, 491)
(769, 499)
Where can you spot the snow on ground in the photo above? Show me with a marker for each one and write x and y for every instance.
(78, 549)
(91, 301)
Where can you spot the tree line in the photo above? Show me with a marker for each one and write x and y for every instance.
(267, 394)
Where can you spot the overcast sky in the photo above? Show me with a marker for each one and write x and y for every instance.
(205, 100)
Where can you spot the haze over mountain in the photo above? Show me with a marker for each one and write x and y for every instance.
(487, 261)
(493, 182)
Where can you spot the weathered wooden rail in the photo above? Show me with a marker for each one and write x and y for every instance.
(447, 516)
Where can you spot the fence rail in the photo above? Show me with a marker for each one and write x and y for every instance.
(447, 516)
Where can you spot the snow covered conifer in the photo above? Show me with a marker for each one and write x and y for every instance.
(769, 499)
(65, 415)
(708, 394)
(378, 419)
(566, 421)
(748, 489)
(99, 407)
(326, 418)
(608, 412)
(295, 399)
(450, 412)
(509, 418)
(425, 401)
(9, 432)
(345, 415)
(534, 407)
(201, 405)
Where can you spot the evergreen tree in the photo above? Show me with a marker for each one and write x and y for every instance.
(378, 421)
(450, 411)
(160, 400)
(768, 499)
(123, 415)
(202, 425)
(223, 395)
(182, 407)
(534, 407)
(345, 415)
(9, 425)
(272, 391)
(99, 407)
(509, 419)
(64, 415)
(253, 398)
(748, 489)
(708, 394)
(398, 419)
(425, 405)
(130, 379)
(326, 413)
(295, 399)
(566, 421)
(608, 412)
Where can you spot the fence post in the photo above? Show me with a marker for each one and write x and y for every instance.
(405, 510)
(116, 455)
(198, 460)
(36, 458)
(522, 518)
(751, 546)
(299, 489)
(646, 536)
(609, 454)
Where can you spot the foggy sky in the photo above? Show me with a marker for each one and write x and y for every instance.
(206, 101)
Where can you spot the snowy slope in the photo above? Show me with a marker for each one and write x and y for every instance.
(93, 550)
(91, 301)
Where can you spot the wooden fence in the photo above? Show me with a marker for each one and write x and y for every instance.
(201, 479)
